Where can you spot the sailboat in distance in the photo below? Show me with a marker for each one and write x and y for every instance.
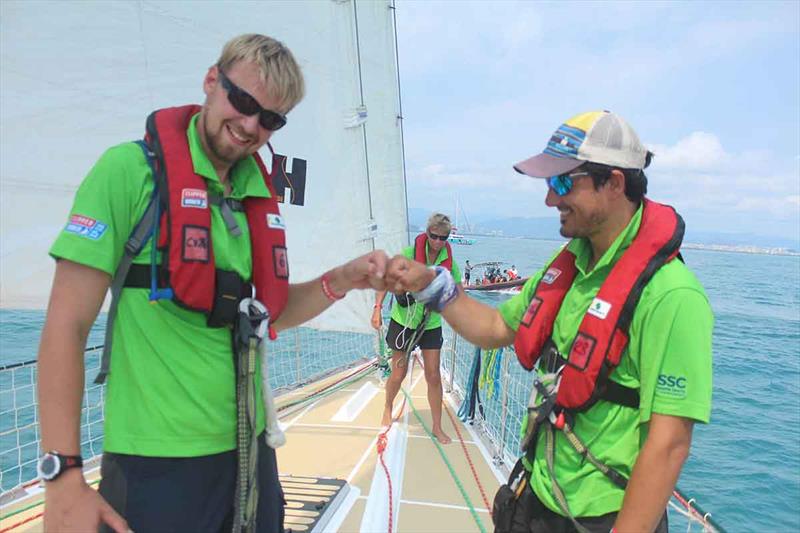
(455, 236)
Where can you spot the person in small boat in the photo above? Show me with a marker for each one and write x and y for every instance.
(408, 320)
(512, 273)
(467, 272)
(617, 330)
(170, 436)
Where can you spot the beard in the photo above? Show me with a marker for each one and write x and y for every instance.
(221, 150)
(575, 228)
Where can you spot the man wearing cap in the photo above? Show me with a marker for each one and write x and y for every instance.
(617, 331)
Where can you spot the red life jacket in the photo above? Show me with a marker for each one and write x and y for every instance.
(420, 252)
(603, 334)
(188, 265)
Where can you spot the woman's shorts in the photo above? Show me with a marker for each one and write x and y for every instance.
(399, 337)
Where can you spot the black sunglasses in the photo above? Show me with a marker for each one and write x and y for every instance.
(438, 237)
(247, 105)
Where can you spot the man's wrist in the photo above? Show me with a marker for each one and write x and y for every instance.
(68, 480)
(334, 285)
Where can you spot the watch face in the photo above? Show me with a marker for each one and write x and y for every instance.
(49, 466)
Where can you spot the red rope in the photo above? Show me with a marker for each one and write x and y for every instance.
(382, 442)
(29, 519)
(466, 453)
(689, 507)
(469, 459)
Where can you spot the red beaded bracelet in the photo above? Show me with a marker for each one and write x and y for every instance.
(326, 289)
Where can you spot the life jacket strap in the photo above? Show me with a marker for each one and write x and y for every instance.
(138, 238)
(250, 328)
(226, 208)
(229, 289)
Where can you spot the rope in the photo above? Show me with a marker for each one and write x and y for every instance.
(469, 459)
(697, 513)
(23, 509)
(466, 412)
(446, 462)
(382, 442)
(329, 389)
(34, 361)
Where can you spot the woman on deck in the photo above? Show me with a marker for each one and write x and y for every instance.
(408, 321)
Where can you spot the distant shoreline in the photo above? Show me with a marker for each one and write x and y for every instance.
(734, 248)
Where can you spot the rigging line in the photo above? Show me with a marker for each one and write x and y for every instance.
(30, 185)
(364, 125)
(393, 7)
(34, 361)
(144, 50)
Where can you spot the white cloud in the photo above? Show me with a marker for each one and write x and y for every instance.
(439, 177)
(698, 151)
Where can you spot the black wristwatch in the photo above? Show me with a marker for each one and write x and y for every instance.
(52, 464)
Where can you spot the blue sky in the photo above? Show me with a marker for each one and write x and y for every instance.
(713, 88)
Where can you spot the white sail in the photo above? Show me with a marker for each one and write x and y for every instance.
(79, 77)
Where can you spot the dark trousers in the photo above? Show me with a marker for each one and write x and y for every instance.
(188, 494)
(530, 515)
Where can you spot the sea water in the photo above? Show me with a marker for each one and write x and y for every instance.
(744, 466)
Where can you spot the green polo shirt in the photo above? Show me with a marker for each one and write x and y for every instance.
(668, 359)
(411, 316)
(171, 389)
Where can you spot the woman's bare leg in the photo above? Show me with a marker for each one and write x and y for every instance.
(434, 380)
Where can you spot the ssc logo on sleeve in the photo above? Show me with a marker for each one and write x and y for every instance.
(85, 227)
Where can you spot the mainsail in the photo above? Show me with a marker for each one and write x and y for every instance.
(78, 78)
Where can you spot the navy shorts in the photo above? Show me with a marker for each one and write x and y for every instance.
(188, 494)
(398, 338)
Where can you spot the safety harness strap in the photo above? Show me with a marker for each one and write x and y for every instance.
(249, 331)
(557, 492)
(139, 237)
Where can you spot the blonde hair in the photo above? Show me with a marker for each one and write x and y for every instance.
(278, 68)
(440, 222)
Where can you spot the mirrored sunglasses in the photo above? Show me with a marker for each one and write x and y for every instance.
(438, 237)
(563, 183)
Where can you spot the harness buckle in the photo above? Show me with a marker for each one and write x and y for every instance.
(254, 314)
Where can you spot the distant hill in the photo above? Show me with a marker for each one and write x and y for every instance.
(547, 228)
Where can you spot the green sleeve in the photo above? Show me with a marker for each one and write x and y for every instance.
(674, 347)
(513, 309)
(107, 206)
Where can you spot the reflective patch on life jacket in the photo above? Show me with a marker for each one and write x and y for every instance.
(530, 314)
(581, 350)
(196, 198)
(280, 261)
(195, 244)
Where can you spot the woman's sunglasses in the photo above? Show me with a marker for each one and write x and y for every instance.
(247, 105)
(563, 183)
(438, 237)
